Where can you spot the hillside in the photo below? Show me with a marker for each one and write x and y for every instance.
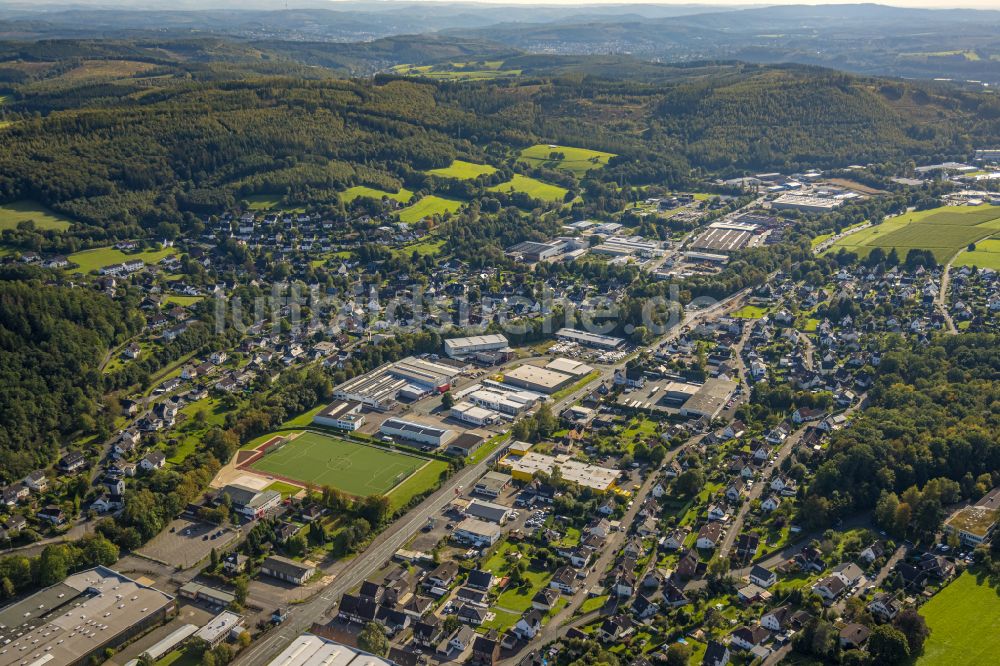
(128, 135)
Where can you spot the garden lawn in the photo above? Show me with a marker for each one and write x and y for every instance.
(183, 300)
(429, 205)
(353, 193)
(535, 189)
(519, 599)
(577, 160)
(462, 170)
(356, 469)
(14, 213)
(750, 312)
(964, 619)
(593, 603)
(502, 621)
(92, 260)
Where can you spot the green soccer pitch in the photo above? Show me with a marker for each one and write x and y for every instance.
(356, 469)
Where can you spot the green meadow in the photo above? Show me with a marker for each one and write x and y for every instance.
(577, 160)
(14, 213)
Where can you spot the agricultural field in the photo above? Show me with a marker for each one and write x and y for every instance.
(966, 608)
(462, 170)
(532, 187)
(106, 69)
(92, 260)
(356, 469)
(944, 231)
(357, 191)
(459, 71)
(577, 160)
(986, 255)
(14, 213)
(429, 205)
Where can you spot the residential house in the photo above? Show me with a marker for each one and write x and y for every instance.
(485, 650)
(853, 636)
(153, 461)
(747, 638)
(529, 624)
(709, 536)
(564, 580)
(762, 576)
(37, 481)
(885, 606)
(74, 461)
(716, 654)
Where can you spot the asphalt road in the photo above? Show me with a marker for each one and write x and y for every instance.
(318, 607)
(302, 616)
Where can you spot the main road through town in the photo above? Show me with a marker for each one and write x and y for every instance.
(383, 547)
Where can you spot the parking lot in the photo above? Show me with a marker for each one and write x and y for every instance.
(185, 543)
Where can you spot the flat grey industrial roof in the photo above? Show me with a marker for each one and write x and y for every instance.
(70, 620)
(413, 427)
(590, 338)
(722, 239)
(532, 374)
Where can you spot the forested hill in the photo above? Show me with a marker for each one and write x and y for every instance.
(52, 342)
(165, 143)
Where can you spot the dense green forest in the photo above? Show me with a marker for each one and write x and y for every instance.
(52, 343)
(927, 439)
(165, 141)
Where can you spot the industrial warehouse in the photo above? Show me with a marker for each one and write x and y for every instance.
(409, 379)
(420, 433)
(79, 618)
(588, 339)
(311, 649)
(463, 347)
(682, 398)
(724, 237)
(539, 380)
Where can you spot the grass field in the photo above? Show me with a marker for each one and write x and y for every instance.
(106, 69)
(286, 489)
(963, 610)
(986, 255)
(532, 187)
(750, 312)
(352, 193)
(354, 468)
(577, 160)
(429, 205)
(944, 231)
(420, 481)
(19, 211)
(459, 71)
(424, 248)
(183, 300)
(270, 202)
(92, 260)
(462, 170)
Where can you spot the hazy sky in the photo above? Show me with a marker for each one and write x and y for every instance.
(930, 4)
